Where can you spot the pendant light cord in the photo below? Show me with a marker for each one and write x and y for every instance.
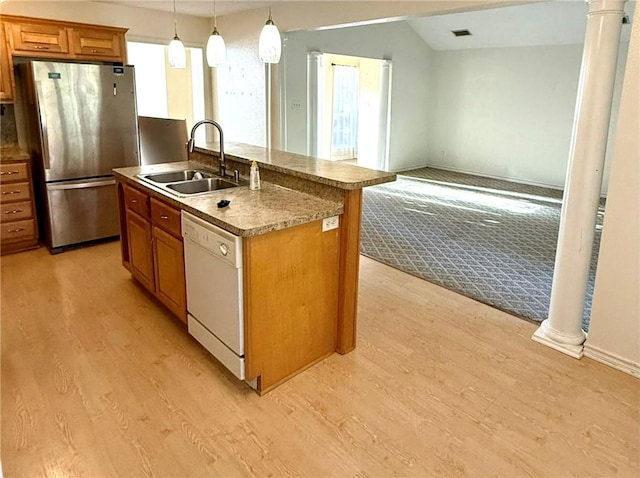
(215, 18)
(175, 21)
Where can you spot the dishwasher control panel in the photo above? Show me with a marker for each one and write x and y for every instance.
(216, 241)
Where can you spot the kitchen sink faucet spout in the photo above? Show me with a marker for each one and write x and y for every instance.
(191, 143)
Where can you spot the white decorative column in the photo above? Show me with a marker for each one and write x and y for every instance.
(385, 109)
(314, 108)
(562, 330)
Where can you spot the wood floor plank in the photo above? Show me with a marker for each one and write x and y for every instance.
(98, 380)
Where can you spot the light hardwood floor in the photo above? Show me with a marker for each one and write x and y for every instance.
(97, 380)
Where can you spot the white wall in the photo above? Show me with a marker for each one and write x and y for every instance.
(508, 112)
(143, 24)
(311, 15)
(410, 57)
(243, 115)
(614, 330)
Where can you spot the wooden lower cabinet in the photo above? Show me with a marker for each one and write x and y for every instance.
(168, 265)
(153, 251)
(290, 301)
(290, 284)
(140, 250)
(18, 228)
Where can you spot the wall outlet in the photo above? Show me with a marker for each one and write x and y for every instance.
(330, 223)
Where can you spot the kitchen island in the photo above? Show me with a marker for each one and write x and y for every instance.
(300, 246)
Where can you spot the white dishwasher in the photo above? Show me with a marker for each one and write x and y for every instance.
(213, 267)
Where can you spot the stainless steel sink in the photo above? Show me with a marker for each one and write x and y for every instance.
(190, 181)
(176, 176)
(201, 185)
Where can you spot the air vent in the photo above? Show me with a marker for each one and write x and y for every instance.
(461, 33)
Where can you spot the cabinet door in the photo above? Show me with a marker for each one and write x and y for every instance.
(98, 44)
(39, 39)
(140, 250)
(6, 70)
(169, 272)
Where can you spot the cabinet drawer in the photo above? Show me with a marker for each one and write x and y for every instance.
(96, 43)
(15, 211)
(14, 172)
(42, 38)
(137, 201)
(165, 217)
(15, 192)
(17, 231)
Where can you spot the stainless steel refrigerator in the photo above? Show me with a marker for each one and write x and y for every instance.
(83, 124)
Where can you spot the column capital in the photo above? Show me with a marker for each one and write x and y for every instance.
(605, 6)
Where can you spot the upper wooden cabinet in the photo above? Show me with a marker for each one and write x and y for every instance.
(27, 38)
(98, 43)
(40, 38)
(6, 70)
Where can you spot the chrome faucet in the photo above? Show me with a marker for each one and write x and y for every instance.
(191, 143)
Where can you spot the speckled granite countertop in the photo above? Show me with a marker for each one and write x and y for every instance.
(12, 153)
(250, 213)
(331, 173)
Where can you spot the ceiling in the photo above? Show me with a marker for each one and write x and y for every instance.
(197, 8)
(559, 22)
(548, 23)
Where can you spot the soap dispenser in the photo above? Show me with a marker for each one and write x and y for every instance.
(254, 177)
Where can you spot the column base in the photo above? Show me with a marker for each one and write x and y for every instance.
(572, 346)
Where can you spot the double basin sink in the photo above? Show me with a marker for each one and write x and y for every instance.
(189, 181)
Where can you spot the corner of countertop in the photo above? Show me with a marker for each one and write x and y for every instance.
(13, 152)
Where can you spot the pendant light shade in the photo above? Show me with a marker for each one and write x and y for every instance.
(216, 49)
(177, 53)
(270, 45)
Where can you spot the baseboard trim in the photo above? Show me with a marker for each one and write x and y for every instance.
(611, 359)
(493, 176)
(411, 168)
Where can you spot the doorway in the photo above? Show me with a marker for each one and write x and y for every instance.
(348, 114)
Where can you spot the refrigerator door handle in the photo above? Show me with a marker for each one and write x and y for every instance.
(82, 185)
(43, 127)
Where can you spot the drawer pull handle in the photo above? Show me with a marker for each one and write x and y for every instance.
(5, 193)
(134, 201)
(40, 47)
(162, 216)
(20, 229)
(95, 51)
(8, 173)
(15, 211)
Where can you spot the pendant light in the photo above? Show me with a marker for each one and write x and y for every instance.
(177, 53)
(216, 50)
(270, 45)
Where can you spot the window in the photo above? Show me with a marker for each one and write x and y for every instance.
(344, 124)
(165, 92)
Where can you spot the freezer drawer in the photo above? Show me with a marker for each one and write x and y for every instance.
(80, 211)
